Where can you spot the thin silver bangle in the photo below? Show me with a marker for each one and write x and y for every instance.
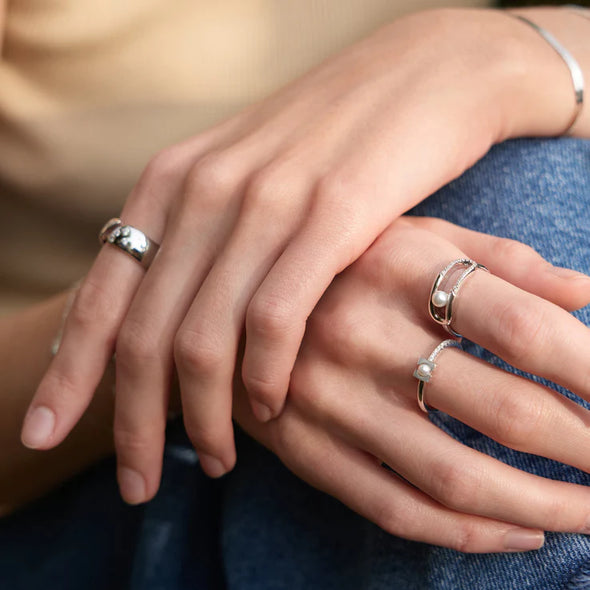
(579, 10)
(573, 66)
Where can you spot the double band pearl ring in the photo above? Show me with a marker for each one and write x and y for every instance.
(440, 302)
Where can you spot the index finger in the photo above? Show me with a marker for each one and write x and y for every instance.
(87, 346)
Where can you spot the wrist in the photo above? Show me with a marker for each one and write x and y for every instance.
(539, 96)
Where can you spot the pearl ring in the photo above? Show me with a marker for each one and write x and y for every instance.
(440, 303)
(425, 368)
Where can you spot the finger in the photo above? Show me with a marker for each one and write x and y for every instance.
(460, 477)
(276, 316)
(208, 339)
(199, 226)
(86, 347)
(101, 304)
(516, 263)
(145, 355)
(512, 410)
(526, 331)
(357, 479)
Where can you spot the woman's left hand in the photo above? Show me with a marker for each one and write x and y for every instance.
(256, 216)
(352, 402)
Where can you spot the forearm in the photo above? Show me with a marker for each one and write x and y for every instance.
(25, 341)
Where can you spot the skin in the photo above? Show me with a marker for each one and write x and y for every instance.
(291, 160)
(352, 399)
(25, 341)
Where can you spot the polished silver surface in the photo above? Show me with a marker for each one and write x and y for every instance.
(573, 66)
(129, 239)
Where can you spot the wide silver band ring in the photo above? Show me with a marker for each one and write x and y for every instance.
(129, 239)
(425, 367)
(440, 302)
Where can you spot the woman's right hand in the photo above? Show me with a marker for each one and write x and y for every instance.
(352, 402)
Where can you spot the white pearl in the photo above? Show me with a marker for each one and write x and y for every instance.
(424, 370)
(440, 298)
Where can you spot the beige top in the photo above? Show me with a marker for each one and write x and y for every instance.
(90, 89)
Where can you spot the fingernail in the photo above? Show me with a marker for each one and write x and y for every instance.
(523, 540)
(212, 466)
(262, 412)
(132, 485)
(38, 427)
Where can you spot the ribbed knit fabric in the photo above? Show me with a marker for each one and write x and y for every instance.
(90, 89)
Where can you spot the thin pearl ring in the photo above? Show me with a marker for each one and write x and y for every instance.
(425, 368)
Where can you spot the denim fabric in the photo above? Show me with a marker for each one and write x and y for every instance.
(536, 191)
(83, 536)
(262, 528)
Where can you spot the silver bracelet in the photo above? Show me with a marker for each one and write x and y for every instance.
(570, 62)
(579, 10)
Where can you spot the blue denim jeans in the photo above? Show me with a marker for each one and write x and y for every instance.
(262, 528)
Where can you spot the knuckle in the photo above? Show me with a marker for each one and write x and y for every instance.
(515, 251)
(556, 514)
(93, 306)
(206, 439)
(269, 317)
(339, 332)
(196, 352)
(261, 387)
(455, 486)
(308, 390)
(264, 191)
(163, 166)
(464, 538)
(161, 172)
(213, 176)
(135, 443)
(518, 326)
(518, 418)
(136, 343)
(388, 517)
(59, 391)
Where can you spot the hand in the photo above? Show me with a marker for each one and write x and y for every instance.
(257, 215)
(352, 401)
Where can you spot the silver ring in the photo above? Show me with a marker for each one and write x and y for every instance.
(440, 302)
(129, 239)
(425, 368)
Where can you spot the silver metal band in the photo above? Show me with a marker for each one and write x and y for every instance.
(129, 239)
(424, 369)
(579, 10)
(440, 302)
(574, 68)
